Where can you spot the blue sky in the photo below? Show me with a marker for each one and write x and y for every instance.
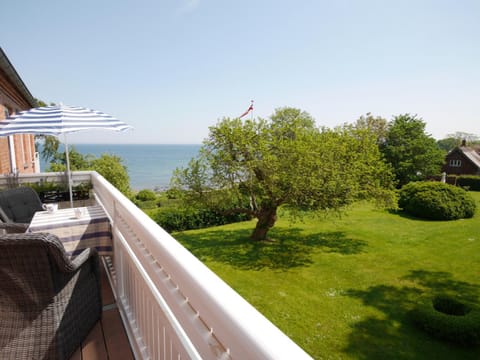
(172, 68)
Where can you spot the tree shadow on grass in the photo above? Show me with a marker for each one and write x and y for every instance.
(391, 335)
(290, 249)
(442, 282)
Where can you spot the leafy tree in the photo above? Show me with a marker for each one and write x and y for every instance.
(112, 169)
(456, 139)
(448, 144)
(376, 125)
(43, 103)
(413, 154)
(50, 143)
(109, 166)
(256, 166)
(459, 136)
(58, 159)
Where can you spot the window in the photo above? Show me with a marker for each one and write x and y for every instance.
(5, 113)
(455, 163)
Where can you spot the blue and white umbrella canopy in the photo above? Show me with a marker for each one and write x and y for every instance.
(60, 119)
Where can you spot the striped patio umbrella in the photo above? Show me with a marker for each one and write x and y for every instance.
(60, 119)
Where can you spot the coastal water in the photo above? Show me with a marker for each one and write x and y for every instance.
(150, 166)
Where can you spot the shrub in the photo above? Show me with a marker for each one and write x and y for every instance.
(148, 204)
(112, 169)
(173, 193)
(436, 201)
(470, 182)
(450, 306)
(145, 195)
(448, 319)
(180, 219)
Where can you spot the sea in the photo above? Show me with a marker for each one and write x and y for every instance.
(149, 166)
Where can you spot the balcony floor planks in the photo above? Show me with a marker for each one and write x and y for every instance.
(108, 339)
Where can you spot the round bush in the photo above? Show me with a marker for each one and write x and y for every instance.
(436, 201)
(448, 319)
(450, 306)
(146, 195)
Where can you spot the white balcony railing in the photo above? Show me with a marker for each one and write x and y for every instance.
(172, 305)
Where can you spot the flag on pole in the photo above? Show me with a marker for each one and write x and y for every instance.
(250, 108)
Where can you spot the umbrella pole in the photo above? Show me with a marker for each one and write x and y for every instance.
(69, 174)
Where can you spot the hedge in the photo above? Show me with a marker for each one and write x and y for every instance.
(448, 319)
(180, 219)
(470, 182)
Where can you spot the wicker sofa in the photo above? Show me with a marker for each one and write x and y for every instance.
(48, 303)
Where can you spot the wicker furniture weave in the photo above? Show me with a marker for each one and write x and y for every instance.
(17, 207)
(48, 304)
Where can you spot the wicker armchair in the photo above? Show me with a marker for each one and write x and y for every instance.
(48, 304)
(17, 207)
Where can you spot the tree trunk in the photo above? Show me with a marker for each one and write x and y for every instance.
(266, 220)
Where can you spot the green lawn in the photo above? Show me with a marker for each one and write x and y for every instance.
(341, 287)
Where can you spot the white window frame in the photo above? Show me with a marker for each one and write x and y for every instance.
(455, 163)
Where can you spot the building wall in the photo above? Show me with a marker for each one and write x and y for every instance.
(11, 102)
(4, 157)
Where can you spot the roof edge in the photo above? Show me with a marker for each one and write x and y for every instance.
(15, 78)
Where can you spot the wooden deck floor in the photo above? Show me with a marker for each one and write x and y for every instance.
(108, 339)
